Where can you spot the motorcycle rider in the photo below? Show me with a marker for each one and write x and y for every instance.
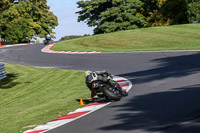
(91, 76)
(48, 38)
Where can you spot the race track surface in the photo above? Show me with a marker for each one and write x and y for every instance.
(164, 99)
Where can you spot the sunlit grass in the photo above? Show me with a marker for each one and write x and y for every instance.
(32, 96)
(177, 37)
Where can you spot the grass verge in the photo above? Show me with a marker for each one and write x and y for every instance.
(177, 37)
(32, 96)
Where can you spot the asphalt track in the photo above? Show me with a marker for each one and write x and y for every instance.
(164, 99)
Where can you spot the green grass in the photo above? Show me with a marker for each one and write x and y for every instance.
(32, 96)
(177, 37)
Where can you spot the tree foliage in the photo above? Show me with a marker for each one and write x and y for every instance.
(193, 11)
(69, 37)
(111, 16)
(73, 37)
(28, 19)
(165, 12)
(5, 4)
(153, 13)
(176, 11)
(114, 15)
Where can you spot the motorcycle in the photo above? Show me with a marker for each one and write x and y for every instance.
(46, 42)
(110, 88)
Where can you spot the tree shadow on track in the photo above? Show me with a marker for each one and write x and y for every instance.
(177, 66)
(177, 110)
(8, 82)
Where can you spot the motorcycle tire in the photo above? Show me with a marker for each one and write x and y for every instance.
(124, 93)
(46, 42)
(110, 94)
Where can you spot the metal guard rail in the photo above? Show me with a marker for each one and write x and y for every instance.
(2, 72)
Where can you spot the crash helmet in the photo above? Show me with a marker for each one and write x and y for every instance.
(88, 72)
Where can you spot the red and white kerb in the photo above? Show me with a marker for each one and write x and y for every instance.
(85, 110)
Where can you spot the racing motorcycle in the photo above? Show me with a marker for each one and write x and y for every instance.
(46, 42)
(110, 88)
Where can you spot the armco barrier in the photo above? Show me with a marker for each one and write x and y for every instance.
(195, 22)
(2, 72)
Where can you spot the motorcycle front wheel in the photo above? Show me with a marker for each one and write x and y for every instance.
(111, 94)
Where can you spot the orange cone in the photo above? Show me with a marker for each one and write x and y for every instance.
(81, 102)
(0, 44)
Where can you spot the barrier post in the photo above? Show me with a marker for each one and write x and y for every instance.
(2, 72)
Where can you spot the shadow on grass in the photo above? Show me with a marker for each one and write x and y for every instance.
(89, 100)
(85, 101)
(8, 82)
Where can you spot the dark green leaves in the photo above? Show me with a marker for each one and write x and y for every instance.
(23, 21)
(109, 17)
(114, 15)
(193, 11)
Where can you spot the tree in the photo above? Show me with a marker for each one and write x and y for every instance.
(110, 16)
(153, 13)
(69, 37)
(5, 4)
(176, 11)
(114, 15)
(18, 31)
(165, 12)
(193, 12)
(26, 20)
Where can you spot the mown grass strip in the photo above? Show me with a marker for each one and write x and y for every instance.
(32, 96)
(177, 37)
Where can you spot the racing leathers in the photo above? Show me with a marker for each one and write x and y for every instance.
(94, 76)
